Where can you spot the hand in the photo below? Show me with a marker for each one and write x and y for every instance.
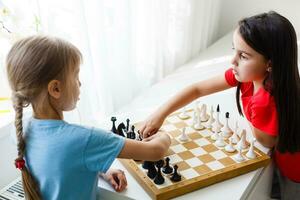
(116, 178)
(152, 124)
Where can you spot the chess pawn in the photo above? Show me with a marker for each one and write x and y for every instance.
(227, 132)
(242, 143)
(203, 114)
(183, 114)
(220, 140)
(251, 154)
(199, 125)
(235, 138)
(229, 147)
(183, 137)
(214, 136)
(239, 156)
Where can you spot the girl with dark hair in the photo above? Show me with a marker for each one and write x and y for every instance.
(265, 72)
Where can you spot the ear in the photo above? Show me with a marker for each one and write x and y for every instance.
(269, 66)
(54, 89)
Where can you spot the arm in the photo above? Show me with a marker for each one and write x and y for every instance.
(187, 95)
(264, 138)
(151, 149)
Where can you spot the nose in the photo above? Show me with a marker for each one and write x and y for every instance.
(234, 60)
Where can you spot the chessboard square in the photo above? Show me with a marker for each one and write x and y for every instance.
(174, 119)
(189, 173)
(206, 158)
(174, 159)
(215, 165)
(186, 155)
(178, 148)
(167, 183)
(206, 133)
(169, 127)
(227, 161)
(195, 136)
(194, 162)
(202, 169)
(218, 154)
(198, 151)
(210, 148)
(175, 133)
(182, 165)
(180, 125)
(190, 145)
(202, 142)
(170, 152)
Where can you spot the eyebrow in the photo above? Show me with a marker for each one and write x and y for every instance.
(249, 54)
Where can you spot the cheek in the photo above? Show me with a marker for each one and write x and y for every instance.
(248, 71)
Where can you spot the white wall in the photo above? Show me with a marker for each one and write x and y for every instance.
(234, 10)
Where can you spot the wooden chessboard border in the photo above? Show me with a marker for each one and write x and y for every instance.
(189, 185)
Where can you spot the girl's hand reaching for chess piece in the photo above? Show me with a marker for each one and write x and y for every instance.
(152, 124)
(116, 178)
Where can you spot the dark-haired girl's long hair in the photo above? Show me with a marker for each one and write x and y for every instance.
(274, 37)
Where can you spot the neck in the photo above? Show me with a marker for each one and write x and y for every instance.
(46, 111)
(257, 85)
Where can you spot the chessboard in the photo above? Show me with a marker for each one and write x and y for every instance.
(200, 153)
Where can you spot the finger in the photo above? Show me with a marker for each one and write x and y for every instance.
(122, 183)
(142, 128)
(114, 184)
(147, 132)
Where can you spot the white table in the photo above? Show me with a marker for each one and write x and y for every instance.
(255, 184)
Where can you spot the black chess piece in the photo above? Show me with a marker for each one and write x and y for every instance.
(151, 170)
(146, 164)
(120, 129)
(159, 179)
(127, 124)
(218, 108)
(167, 169)
(175, 176)
(227, 115)
(113, 128)
(132, 135)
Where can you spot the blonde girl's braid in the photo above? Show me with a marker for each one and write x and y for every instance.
(29, 184)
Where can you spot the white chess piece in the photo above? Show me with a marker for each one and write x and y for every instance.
(198, 125)
(242, 143)
(183, 137)
(220, 140)
(214, 136)
(211, 118)
(229, 148)
(203, 114)
(239, 157)
(217, 125)
(227, 131)
(195, 117)
(183, 114)
(235, 138)
(251, 154)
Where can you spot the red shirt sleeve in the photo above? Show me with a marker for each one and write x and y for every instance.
(264, 118)
(229, 76)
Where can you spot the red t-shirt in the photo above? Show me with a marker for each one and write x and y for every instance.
(260, 110)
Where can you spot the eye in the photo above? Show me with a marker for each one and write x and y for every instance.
(242, 56)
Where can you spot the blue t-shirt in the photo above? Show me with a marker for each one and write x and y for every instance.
(65, 159)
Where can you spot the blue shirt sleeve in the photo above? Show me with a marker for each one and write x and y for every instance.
(102, 149)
